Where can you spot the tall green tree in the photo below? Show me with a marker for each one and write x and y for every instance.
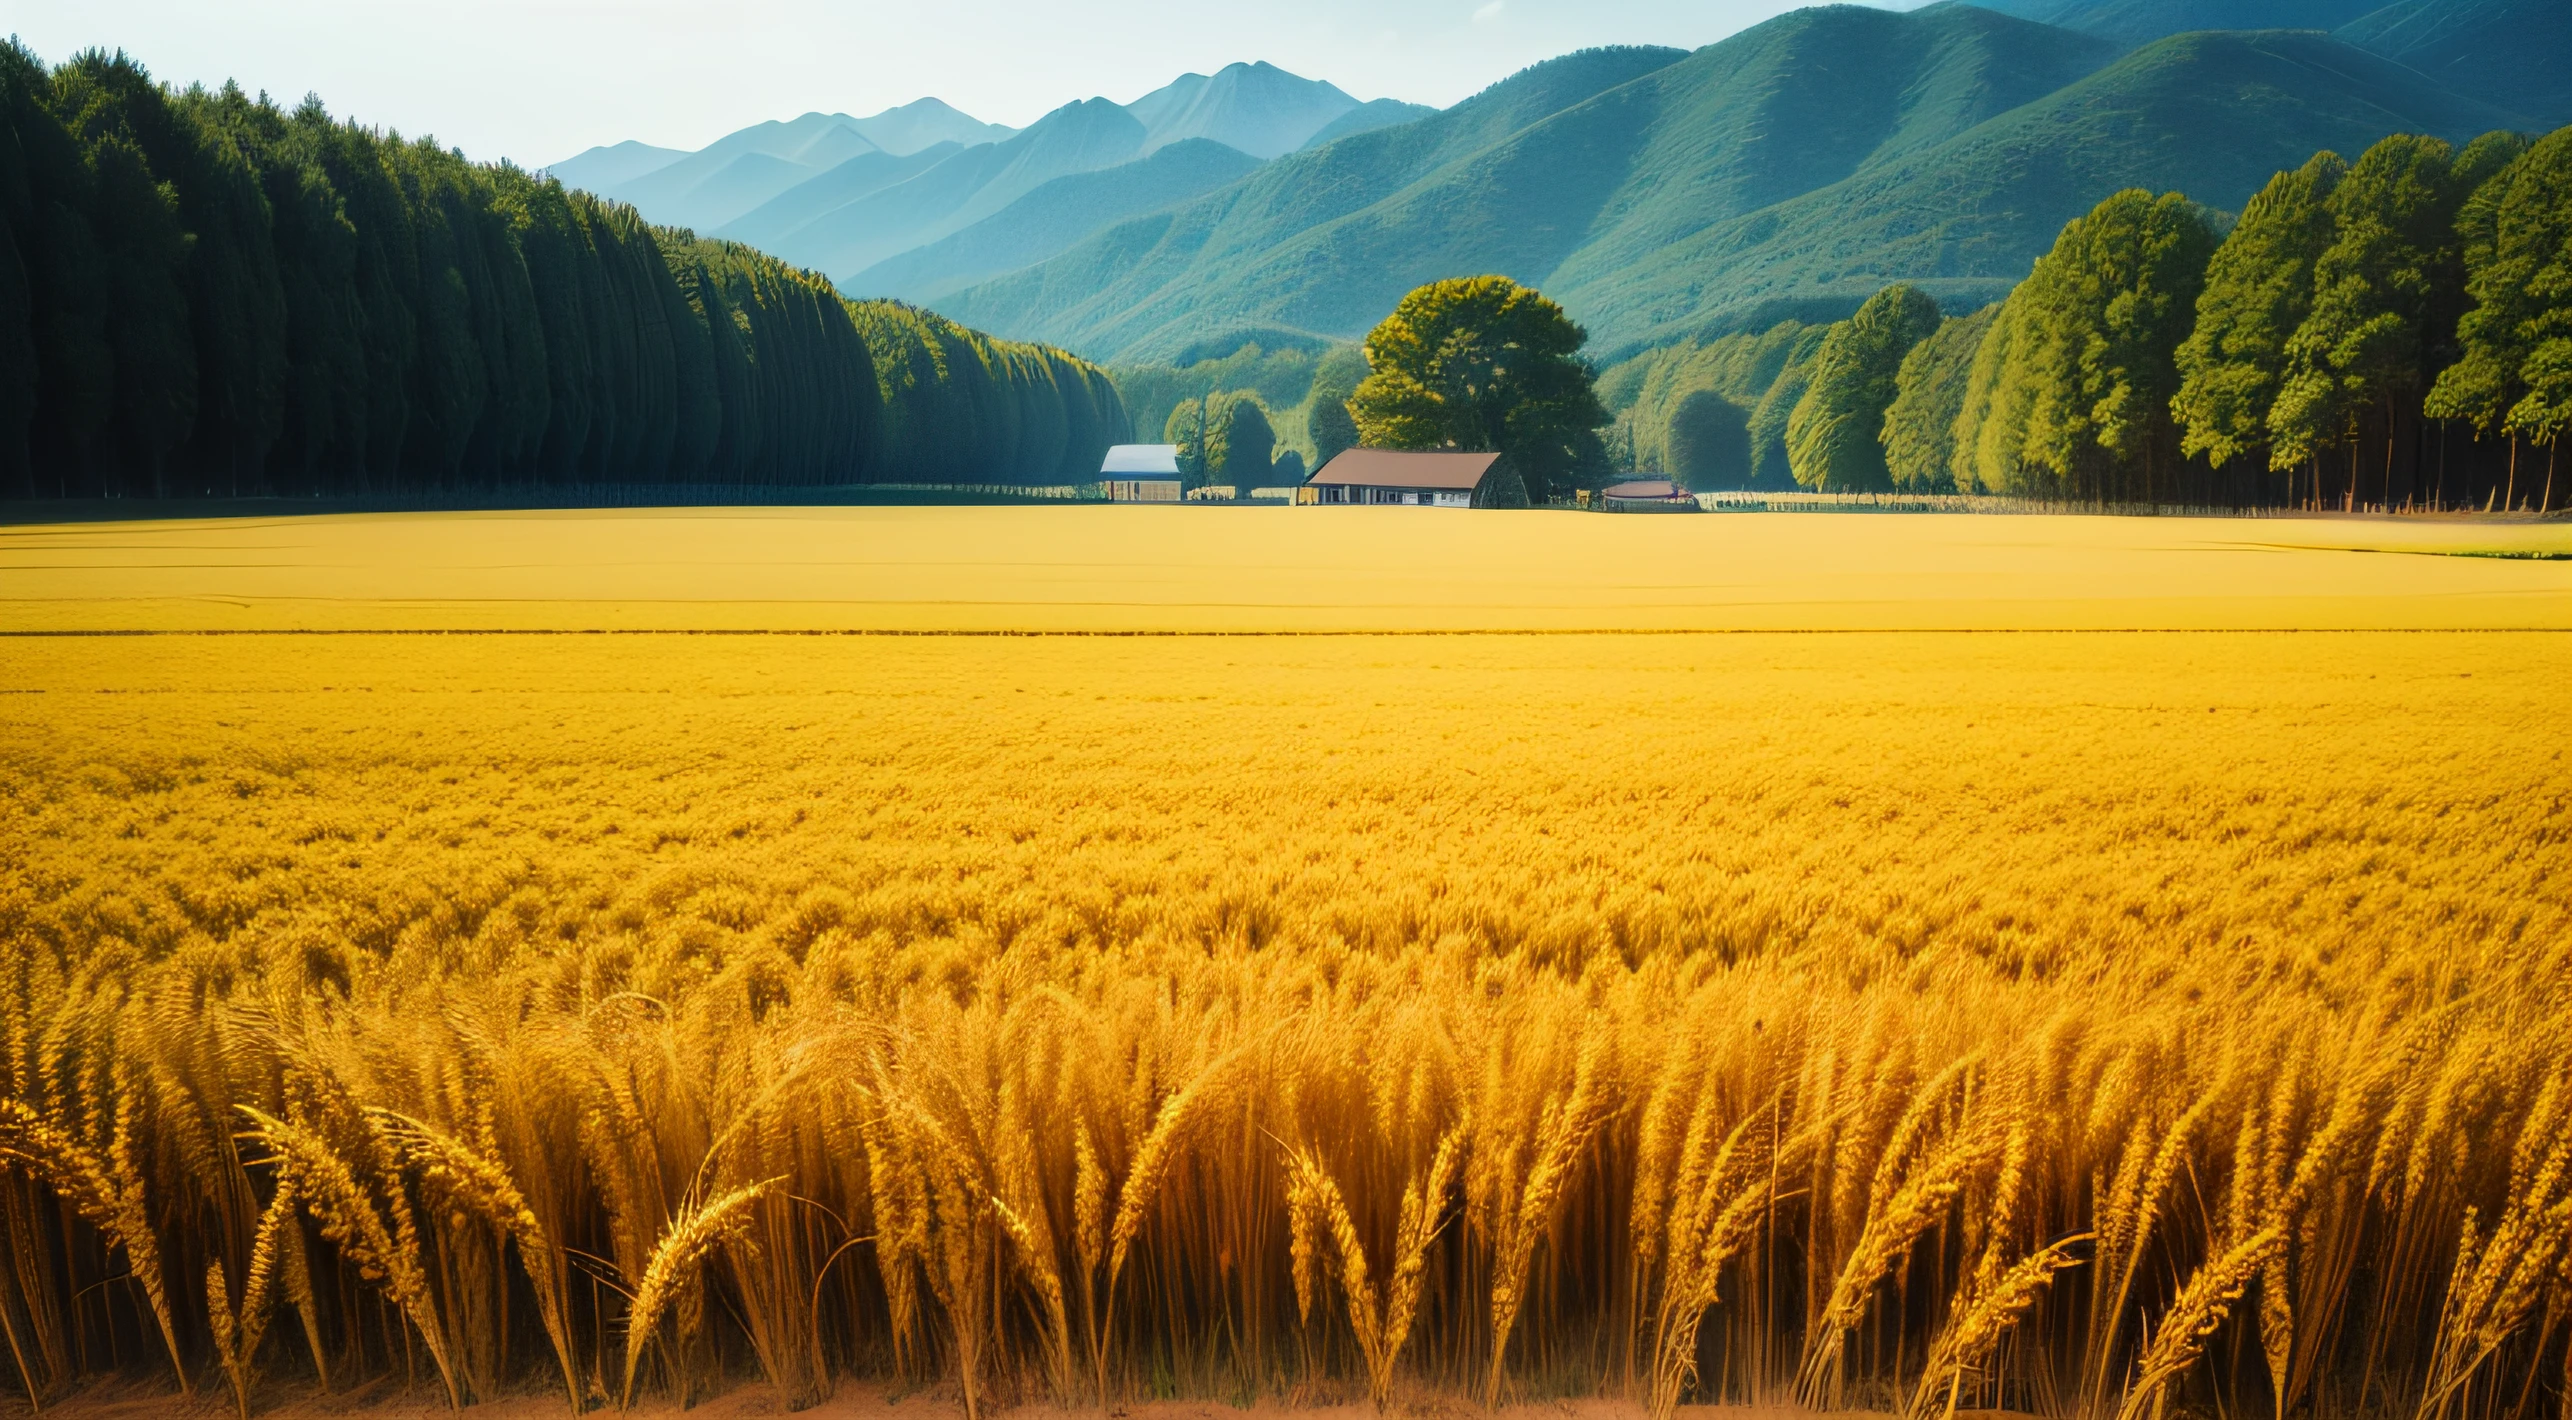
(2385, 298)
(1186, 429)
(1769, 466)
(201, 292)
(1834, 437)
(1335, 378)
(1708, 442)
(2259, 291)
(2070, 394)
(1243, 445)
(1483, 363)
(1929, 392)
(2514, 372)
(18, 370)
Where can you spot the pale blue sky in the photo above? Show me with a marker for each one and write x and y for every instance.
(539, 80)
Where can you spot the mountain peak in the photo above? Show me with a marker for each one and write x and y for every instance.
(1253, 106)
(908, 128)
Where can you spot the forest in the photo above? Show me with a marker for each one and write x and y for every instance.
(206, 294)
(2393, 332)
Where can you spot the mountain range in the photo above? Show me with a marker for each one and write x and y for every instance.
(739, 171)
(924, 183)
(1789, 170)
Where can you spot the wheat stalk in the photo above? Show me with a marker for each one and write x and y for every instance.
(105, 1189)
(473, 1181)
(1977, 1327)
(237, 1332)
(383, 1253)
(1563, 1130)
(2194, 1315)
(695, 1231)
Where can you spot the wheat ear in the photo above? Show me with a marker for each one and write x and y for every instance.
(1988, 1316)
(2195, 1314)
(237, 1336)
(695, 1232)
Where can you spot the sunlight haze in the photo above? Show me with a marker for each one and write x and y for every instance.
(537, 81)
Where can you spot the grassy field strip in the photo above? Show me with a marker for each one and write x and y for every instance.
(1193, 569)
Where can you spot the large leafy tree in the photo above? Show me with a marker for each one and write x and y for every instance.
(1333, 429)
(1834, 438)
(1929, 392)
(1776, 408)
(2259, 289)
(1186, 430)
(2515, 371)
(1241, 445)
(1482, 363)
(1709, 442)
(2384, 304)
(2070, 394)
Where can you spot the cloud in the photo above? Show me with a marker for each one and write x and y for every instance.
(1489, 12)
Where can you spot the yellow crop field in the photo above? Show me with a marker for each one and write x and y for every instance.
(1206, 568)
(2112, 1023)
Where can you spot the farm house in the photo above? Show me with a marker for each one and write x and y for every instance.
(1417, 480)
(1142, 473)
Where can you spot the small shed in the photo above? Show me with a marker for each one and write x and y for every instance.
(1142, 473)
(1388, 476)
(1648, 495)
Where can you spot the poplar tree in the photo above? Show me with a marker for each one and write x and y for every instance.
(2514, 373)
(202, 292)
(2074, 399)
(18, 369)
(1929, 392)
(1334, 431)
(1244, 444)
(1708, 442)
(2259, 290)
(1834, 437)
(2383, 305)
(1776, 406)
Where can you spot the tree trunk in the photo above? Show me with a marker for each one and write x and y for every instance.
(2392, 427)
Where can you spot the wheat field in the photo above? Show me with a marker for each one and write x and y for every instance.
(2104, 1024)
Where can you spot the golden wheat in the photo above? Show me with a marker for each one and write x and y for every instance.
(1694, 1019)
(696, 1231)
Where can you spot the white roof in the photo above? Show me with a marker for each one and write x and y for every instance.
(1142, 459)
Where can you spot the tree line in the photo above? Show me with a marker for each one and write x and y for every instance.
(202, 293)
(2390, 332)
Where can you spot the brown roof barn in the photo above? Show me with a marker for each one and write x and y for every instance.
(1417, 480)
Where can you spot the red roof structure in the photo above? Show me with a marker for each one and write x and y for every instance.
(1441, 480)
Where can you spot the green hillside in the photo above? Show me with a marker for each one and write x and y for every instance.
(1328, 240)
(1368, 117)
(1053, 217)
(2142, 21)
(1787, 172)
(2513, 54)
(2212, 115)
(2516, 53)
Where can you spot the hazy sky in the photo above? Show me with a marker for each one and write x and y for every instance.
(539, 80)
